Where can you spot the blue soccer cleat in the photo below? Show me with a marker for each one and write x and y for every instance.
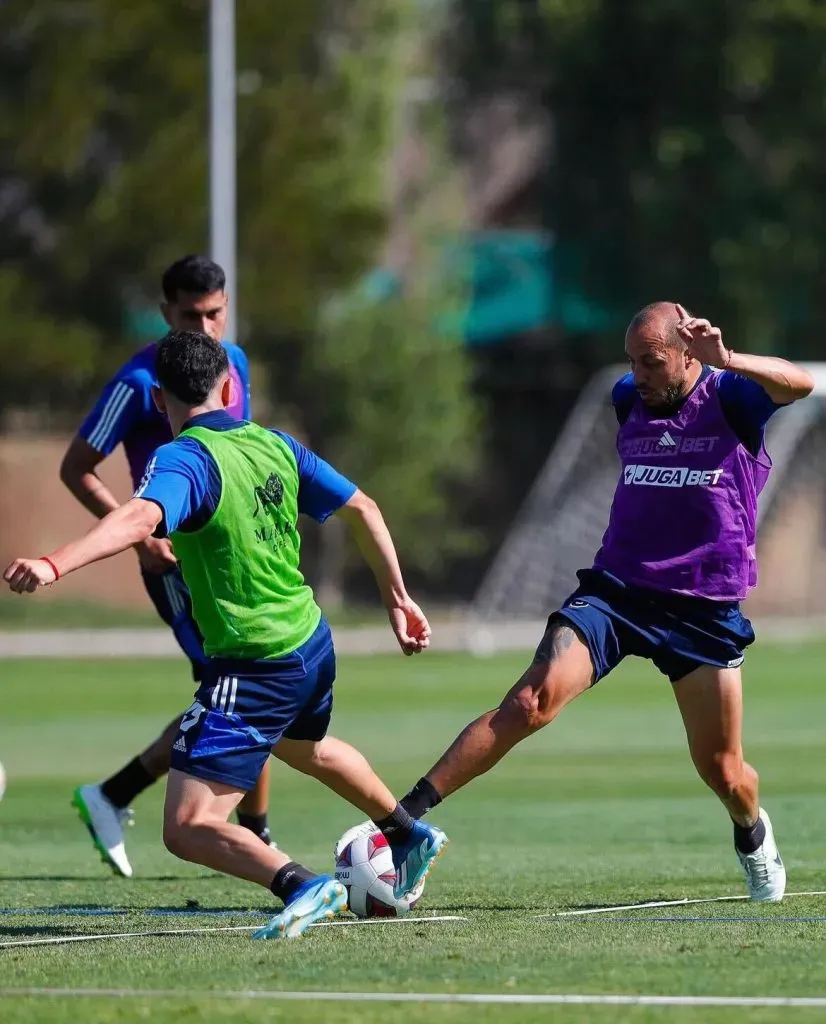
(413, 860)
(317, 900)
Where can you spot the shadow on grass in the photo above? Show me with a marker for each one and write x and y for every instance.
(124, 910)
(103, 878)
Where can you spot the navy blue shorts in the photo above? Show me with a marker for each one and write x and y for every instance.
(170, 595)
(677, 633)
(243, 708)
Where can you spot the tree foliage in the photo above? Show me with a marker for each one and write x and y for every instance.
(103, 181)
(689, 154)
(105, 157)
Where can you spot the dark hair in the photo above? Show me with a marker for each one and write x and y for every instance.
(193, 274)
(189, 365)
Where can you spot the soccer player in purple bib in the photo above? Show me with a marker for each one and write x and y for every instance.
(125, 413)
(677, 559)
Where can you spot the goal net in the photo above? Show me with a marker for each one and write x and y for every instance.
(561, 523)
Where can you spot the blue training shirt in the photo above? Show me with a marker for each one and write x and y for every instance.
(183, 479)
(746, 405)
(125, 412)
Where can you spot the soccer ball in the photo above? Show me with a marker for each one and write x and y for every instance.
(364, 865)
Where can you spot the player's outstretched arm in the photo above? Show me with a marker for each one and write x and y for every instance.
(783, 382)
(128, 525)
(78, 471)
(364, 518)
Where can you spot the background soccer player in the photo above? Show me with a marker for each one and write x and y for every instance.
(230, 493)
(676, 560)
(194, 298)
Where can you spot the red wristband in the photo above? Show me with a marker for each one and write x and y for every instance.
(51, 565)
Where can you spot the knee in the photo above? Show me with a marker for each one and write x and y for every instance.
(722, 772)
(316, 758)
(178, 835)
(528, 707)
(321, 759)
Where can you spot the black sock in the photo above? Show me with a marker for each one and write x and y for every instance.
(122, 788)
(421, 799)
(290, 878)
(397, 826)
(748, 838)
(256, 823)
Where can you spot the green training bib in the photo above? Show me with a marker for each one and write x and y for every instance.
(249, 597)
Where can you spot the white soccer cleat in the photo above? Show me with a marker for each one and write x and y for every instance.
(105, 823)
(764, 871)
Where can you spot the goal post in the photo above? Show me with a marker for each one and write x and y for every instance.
(561, 522)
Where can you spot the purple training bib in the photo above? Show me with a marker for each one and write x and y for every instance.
(684, 515)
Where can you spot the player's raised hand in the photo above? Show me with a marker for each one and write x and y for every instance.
(25, 575)
(410, 626)
(704, 341)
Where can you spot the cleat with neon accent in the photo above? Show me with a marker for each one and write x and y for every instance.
(415, 858)
(764, 870)
(105, 823)
(317, 900)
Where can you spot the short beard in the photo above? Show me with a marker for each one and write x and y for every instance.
(671, 395)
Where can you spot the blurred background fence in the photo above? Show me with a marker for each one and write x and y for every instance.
(447, 211)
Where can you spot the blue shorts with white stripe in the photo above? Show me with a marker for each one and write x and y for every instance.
(243, 708)
(170, 595)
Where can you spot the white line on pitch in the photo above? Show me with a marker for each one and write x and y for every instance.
(661, 903)
(424, 997)
(350, 922)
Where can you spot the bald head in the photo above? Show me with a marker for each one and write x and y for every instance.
(663, 369)
(658, 321)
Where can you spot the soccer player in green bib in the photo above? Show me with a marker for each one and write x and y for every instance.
(228, 493)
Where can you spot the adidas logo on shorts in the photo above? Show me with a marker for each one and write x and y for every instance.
(180, 745)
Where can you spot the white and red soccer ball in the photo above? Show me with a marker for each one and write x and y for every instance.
(364, 865)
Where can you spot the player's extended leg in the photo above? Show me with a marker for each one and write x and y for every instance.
(104, 807)
(561, 670)
(197, 829)
(252, 810)
(711, 704)
(344, 770)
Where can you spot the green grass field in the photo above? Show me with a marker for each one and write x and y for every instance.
(603, 808)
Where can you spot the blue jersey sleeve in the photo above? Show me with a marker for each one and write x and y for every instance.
(322, 490)
(120, 407)
(747, 407)
(238, 358)
(180, 479)
(623, 396)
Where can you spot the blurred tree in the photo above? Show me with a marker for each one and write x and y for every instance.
(689, 144)
(103, 181)
(396, 395)
(104, 157)
(402, 419)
